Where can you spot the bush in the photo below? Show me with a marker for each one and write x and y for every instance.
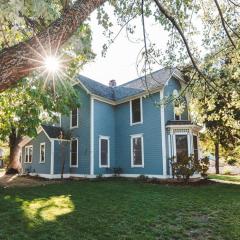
(185, 167)
(142, 178)
(117, 171)
(232, 162)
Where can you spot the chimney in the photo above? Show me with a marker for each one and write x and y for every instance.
(112, 83)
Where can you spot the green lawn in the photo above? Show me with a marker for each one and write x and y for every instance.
(225, 177)
(120, 209)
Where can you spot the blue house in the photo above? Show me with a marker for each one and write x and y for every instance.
(117, 127)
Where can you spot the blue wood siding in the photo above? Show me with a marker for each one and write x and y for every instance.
(82, 132)
(35, 166)
(151, 130)
(61, 153)
(104, 124)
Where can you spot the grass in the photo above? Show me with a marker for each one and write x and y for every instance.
(120, 209)
(230, 178)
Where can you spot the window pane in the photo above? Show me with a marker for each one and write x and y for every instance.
(74, 117)
(137, 151)
(104, 152)
(30, 154)
(136, 110)
(195, 147)
(177, 117)
(26, 154)
(74, 152)
(42, 152)
(181, 147)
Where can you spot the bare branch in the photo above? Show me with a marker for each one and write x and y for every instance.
(223, 23)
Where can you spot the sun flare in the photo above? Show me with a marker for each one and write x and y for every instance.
(52, 64)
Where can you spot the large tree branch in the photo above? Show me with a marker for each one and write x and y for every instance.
(224, 24)
(15, 61)
(168, 15)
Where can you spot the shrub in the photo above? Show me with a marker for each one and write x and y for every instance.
(142, 177)
(232, 162)
(117, 171)
(227, 172)
(185, 167)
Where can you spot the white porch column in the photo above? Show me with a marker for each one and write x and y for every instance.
(163, 130)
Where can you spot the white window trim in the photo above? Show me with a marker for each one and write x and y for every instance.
(142, 142)
(72, 127)
(40, 159)
(141, 114)
(180, 116)
(175, 147)
(27, 149)
(73, 166)
(197, 145)
(108, 158)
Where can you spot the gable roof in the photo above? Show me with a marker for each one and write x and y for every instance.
(153, 81)
(52, 131)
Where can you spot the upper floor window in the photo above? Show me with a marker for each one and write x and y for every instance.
(42, 153)
(137, 153)
(74, 118)
(136, 111)
(28, 154)
(104, 151)
(74, 153)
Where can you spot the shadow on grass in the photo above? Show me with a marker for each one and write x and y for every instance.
(120, 210)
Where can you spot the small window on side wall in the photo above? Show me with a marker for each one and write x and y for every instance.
(74, 118)
(104, 151)
(42, 153)
(74, 153)
(28, 154)
(137, 153)
(136, 111)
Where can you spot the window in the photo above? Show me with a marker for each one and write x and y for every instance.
(136, 111)
(28, 154)
(137, 155)
(181, 146)
(104, 151)
(195, 147)
(42, 153)
(74, 118)
(74, 153)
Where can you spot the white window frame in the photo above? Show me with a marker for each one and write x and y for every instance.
(175, 147)
(40, 159)
(197, 145)
(142, 143)
(180, 116)
(73, 166)
(72, 127)
(108, 154)
(141, 114)
(27, 150)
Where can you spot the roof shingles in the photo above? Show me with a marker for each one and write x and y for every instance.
(154, 80)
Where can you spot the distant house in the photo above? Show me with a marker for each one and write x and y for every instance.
(116, 127)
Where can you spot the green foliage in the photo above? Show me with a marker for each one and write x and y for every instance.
(26, 106)
(185, 167)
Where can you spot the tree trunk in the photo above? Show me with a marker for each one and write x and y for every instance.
(15, 150)
(16, 63)
(217, 157)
